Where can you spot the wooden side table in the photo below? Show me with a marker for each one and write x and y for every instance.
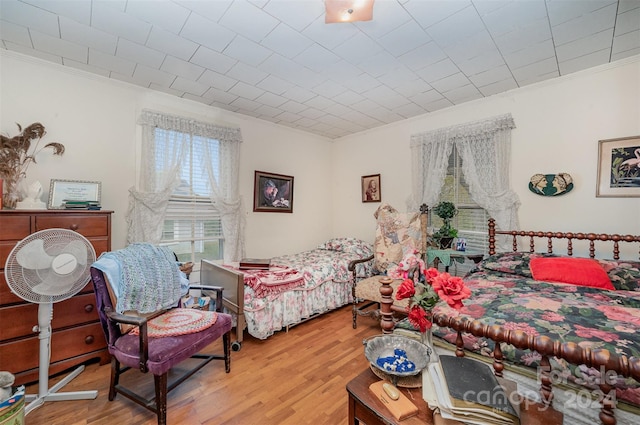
(365, 407)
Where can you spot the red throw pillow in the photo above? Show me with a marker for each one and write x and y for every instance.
(576, 271)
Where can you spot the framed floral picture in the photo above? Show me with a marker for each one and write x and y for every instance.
(272, 192)
(371, 188)
(619, 167)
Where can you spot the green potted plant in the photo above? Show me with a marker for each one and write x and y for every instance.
(445, 234)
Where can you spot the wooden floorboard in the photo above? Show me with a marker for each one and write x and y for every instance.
(294, 377)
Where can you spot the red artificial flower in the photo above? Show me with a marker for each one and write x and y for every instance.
(418, 318)
(431, 274)
(451, 289)
(405, 290)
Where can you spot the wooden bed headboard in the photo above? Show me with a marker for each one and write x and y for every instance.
(551, 236)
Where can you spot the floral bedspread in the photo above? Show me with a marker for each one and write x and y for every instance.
(327, 286)
(505, 294)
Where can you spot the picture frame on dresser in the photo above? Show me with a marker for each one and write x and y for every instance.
(72, 190)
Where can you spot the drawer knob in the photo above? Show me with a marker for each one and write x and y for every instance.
(89, 340)
(74, 227)
(88, 308)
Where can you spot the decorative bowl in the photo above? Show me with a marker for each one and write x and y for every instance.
(385, 346)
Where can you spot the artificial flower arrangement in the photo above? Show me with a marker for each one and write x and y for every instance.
(426, 290)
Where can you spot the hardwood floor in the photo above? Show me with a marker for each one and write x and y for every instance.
(295, 377)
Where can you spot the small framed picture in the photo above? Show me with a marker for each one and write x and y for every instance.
(371, 188)
(619, 167)
(272, 192)
(62, 192)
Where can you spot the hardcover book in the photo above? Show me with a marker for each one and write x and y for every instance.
(467, 390)
(254, 264)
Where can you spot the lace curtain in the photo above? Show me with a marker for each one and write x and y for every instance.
(160, 176)
(485, 149)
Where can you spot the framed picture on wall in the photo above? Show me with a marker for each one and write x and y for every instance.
(371, 188)
(619, 167)
(272, 192)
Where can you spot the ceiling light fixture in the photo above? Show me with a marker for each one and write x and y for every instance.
(340, 11)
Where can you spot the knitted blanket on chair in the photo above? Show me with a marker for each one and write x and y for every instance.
(148, 278)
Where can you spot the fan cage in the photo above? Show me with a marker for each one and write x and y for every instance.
(22, 281)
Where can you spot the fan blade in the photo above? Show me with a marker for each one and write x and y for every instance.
(78, 249)
(33, 256)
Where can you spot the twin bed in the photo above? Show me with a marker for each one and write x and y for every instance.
(549, 333)
(297, 287)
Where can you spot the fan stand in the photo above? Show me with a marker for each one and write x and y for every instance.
(45, 315)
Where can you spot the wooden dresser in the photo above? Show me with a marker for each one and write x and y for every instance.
(77, 335)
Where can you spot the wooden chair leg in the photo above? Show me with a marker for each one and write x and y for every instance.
(161, 397)
(115, 378)
(226, 341)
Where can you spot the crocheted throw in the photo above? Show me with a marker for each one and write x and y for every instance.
(150, 278)
(179, 321)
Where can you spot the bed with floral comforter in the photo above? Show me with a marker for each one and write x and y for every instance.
(326, 286)
(504, 293)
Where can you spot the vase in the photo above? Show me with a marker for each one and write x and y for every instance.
(428, 390)
(12, 192)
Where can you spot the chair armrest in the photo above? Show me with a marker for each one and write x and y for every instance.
(141, 323)
(217, 289)
(352, 267)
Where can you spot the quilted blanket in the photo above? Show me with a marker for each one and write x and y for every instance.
(504, 293)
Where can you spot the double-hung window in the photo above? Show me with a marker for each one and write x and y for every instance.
(192, 226)
(471, 220)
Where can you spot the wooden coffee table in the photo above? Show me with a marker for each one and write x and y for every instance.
(365, 407)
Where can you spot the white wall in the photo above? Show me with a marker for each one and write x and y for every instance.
(559, 123)
(95, 118)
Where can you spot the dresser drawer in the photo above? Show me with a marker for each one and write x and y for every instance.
(15, 227)
(87, 225)
(23, 354)
(6, 296)
(19, 320)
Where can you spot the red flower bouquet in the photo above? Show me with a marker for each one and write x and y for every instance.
(426, 289)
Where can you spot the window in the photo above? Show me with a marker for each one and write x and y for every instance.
(471, 220)
(192, 226)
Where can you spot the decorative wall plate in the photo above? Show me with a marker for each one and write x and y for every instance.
(551, 184)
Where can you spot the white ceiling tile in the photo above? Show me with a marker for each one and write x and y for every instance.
(563, 11)
(216, 80)
(360, 83)
(212, 10)
(329, 88)
(387, 16)
(450, 82)
(271, 99)
(220, 96)
(424, 55)
(530, 54)
(167, 90)
(436, 105)
(109, 19)
(410, 110)
(146, 76)
(286, 41)
(463, 94)
(112, 63)
(584, 46)
(248, 20)
(512, 15)
(583, 62)
(438, 71)
(347, 97)
(207, 33)
(534, 33)
(172, 44)
(625, 45)
(426, 98)
(33, 52)
(383, 95)
(289, 117)
(268, 111)
(321, 103)
(290, 71)
(312, 113)
(319, 59)
(20, 13)
(162, 13)
(457, 27)
(247, 51)
(491, 76)
(182, 68)
(409, 87)
(79, 11)
(498, 87)
(245, 90)
(212, 60)
(94, 38)
(534, 71)
(379, 64)
(584, 25)
(189, 86)
(428, 13)
(357, 48)
(296, 14)
(246, 104)
(329, 36)
(299, 94)
(291, 106)
(58, 47)
(15, 33)
(628, 21)
(136, 52)
(245, 73)
(274, 84)
(195, 98)
(84, 67)
(405, 38)
(398, 77)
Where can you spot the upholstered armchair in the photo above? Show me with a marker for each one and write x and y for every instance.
(157, 341)
(397, 234)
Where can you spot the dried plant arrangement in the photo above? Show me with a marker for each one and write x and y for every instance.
(16, 154)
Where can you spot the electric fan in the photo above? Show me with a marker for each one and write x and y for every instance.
(44, 268)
